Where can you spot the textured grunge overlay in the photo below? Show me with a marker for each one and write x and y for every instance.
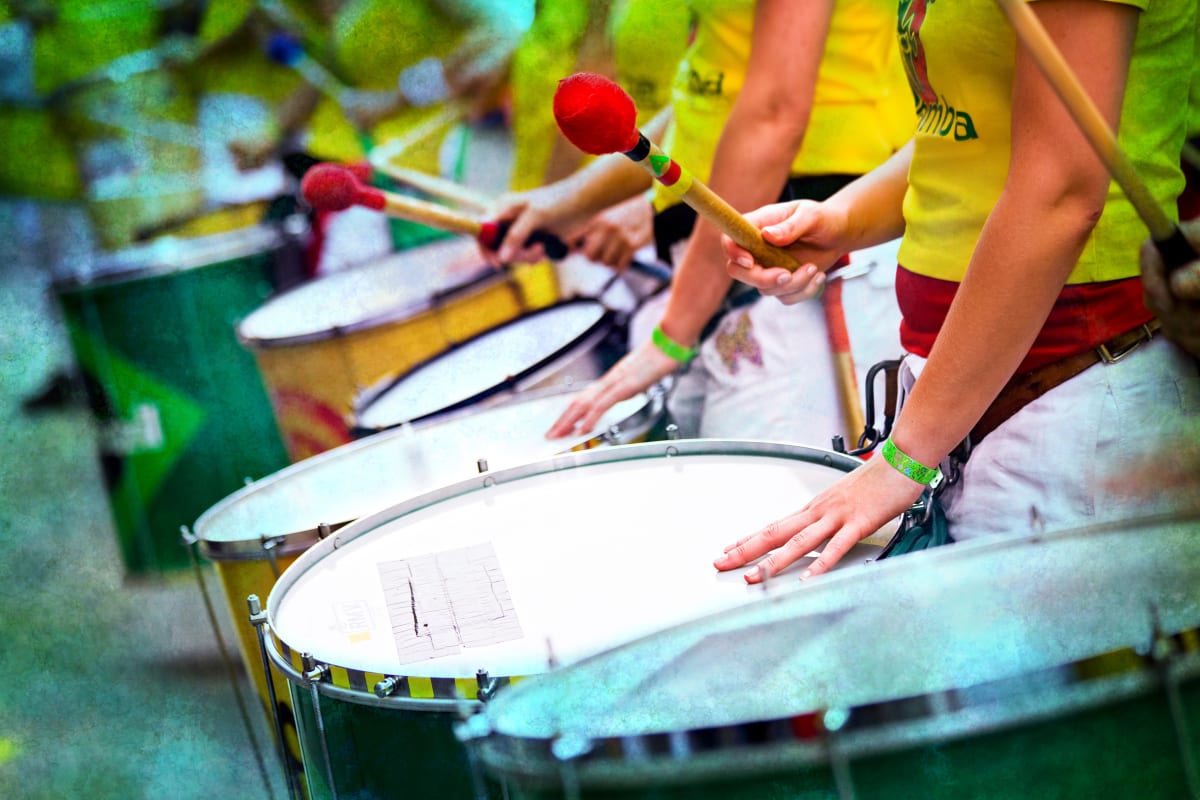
(442, 602)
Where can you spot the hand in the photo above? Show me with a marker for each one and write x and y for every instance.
(812, 232)
(852, 509)
(536, 209)
(613, 236)
(1176, 302)
(636, 372)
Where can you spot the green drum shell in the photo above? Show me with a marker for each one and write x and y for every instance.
(1123, 747)
(183, 417)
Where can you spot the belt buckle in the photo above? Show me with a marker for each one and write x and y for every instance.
(1145, 334)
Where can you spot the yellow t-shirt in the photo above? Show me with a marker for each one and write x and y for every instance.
(861, 112)
(959, 57)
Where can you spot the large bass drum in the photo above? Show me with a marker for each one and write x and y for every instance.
(1056, 665)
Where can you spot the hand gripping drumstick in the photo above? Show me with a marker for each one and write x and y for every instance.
(332, 187)
(598, 117)
(1170, 241)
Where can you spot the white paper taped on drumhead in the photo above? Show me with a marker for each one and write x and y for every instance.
(571, 561)
(483, 363)
(373, 292)
(363, 477)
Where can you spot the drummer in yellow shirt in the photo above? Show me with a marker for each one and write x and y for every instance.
(1019, 269)
(767, 92)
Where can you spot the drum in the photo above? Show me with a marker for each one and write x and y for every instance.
(183, 416)
(255, 533)
(1059, 665)
(319, 345)
(392, 627)
(564, 345)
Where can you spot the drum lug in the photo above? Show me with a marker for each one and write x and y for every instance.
(481, 465)
(570, 747)
(612, 435)
(672, 432)
(487, 686)
(323, 530)
(187, 536)
(314, 671)
(385, 687)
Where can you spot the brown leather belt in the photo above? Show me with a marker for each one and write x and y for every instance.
(1028, 386)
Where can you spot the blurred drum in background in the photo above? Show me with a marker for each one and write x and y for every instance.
(566, 345)
(320, 345)
(393, 626)
(1063, 664)
(183, 416)
(254, 534)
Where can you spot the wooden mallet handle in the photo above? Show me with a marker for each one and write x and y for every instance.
(334, 188)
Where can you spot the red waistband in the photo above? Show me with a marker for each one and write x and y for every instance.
(1084, 316)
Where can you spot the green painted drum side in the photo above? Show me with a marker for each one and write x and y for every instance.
(190, 418)
(382, 753)
(1124, 749)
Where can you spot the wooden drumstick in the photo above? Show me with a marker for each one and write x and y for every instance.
(1170, 241)
(843, 360)
(333, 187)
(431, 185)
(598, 117)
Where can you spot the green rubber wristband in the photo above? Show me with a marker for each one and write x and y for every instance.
(671, 348)
(909, 466)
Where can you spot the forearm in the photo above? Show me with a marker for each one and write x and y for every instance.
(872, 205)
(750, 169)
(1024, 255)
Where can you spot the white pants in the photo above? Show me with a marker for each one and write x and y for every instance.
(1052, 463)
(767, 373)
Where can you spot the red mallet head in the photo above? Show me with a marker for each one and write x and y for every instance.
(595, 114)
(332, 187)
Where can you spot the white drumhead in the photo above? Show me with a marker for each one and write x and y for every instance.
(481, 364)
(565, 563)
(372, 292)
(363, 477)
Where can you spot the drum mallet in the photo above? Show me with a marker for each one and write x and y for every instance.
(1174, 247)
(332, 187)
(598, 117)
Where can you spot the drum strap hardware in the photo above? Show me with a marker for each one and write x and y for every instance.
(1029, 386)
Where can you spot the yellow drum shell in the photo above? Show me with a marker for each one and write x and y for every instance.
(319, 345)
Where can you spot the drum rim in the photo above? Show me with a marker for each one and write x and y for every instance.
(1184, 644)
(528, 376)
(485, 277)
(169, 255)
(615, 761)
(558, 463)
(264, 546)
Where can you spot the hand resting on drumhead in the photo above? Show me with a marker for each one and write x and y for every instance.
(1176, 302)
(855, 507)
(637, 371)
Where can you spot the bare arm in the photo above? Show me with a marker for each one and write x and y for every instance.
(1052, 199)
(758, 143)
